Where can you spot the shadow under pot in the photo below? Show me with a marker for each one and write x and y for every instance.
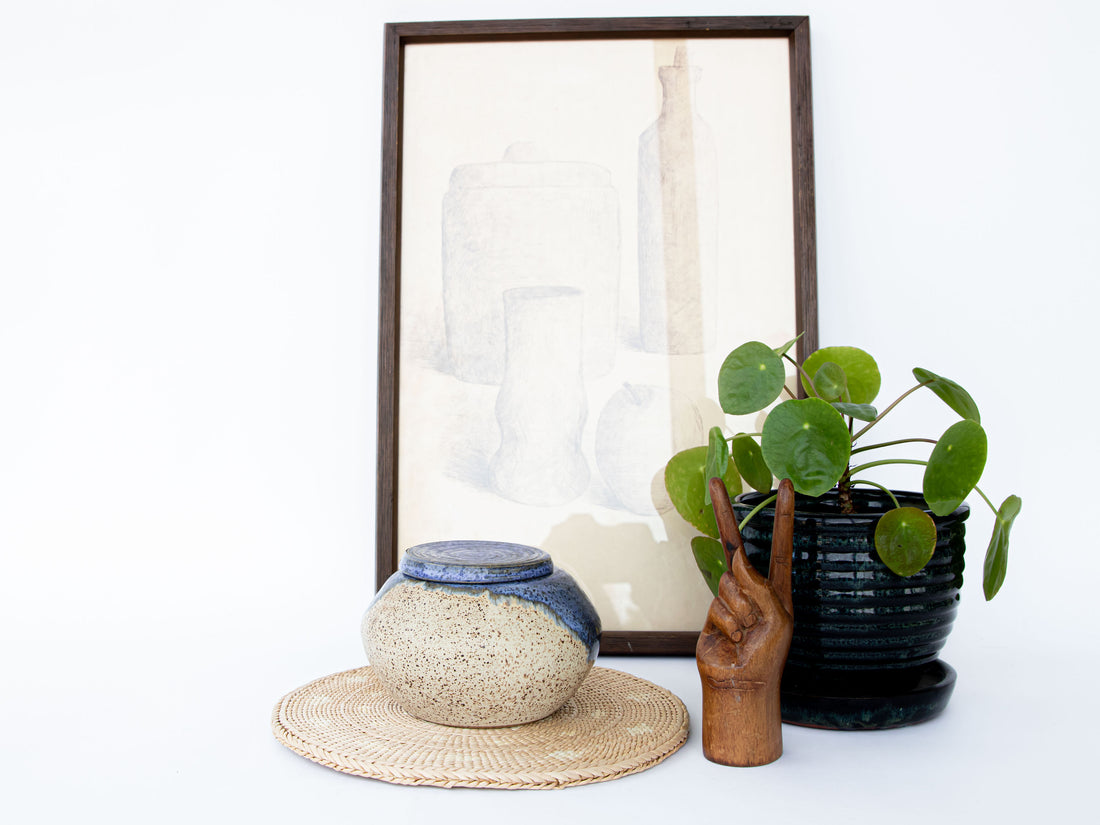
(480, 634)
(865, 652)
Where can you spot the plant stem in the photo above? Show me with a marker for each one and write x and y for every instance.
(757, 509)
(844, 492)
(886, 461)
(803, 373)
(996, 512)
(897, 401)
(886, 490)
(891, 444)
(844, 485)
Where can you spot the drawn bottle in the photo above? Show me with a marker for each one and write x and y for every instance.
(677, 221)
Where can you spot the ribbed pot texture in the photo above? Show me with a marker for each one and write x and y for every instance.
(854, 617)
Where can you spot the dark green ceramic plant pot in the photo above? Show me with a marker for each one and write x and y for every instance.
(866, 640)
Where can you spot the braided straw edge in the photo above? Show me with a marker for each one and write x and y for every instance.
(475, 779)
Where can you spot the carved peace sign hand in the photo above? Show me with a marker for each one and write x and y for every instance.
(748, 631)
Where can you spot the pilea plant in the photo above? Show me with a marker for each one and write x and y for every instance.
(818, 443)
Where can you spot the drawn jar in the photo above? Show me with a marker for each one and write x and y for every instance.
(527, 221)
(480, 634)
(542, 406)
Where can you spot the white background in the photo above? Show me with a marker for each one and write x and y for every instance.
(188, 259)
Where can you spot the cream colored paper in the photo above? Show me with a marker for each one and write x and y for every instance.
(585, 102)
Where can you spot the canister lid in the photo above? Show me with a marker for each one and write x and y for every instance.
(475, 562)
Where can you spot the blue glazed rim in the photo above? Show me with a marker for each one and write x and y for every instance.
(475, 562)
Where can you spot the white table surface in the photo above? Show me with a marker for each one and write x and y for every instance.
(128, 710)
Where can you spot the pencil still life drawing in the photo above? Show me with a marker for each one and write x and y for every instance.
(587, 226)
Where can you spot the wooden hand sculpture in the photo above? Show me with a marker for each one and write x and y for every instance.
(745, 641)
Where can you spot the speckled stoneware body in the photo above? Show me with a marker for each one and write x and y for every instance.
(480, 634)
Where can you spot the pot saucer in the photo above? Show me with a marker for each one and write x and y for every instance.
(870, 707)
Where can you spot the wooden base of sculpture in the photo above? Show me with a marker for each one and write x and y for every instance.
(741, 724)
(744, 644)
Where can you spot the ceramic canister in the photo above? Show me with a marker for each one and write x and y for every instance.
(480, 634)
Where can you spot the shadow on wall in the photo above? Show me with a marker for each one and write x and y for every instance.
(594, 554)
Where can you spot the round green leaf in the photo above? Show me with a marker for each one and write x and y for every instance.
(859, 368)
(685, 481)
(830, 383)
(808, 442)
(955, 466)
(710, 557)
(905, 539)
(750, 378)
(861, 412)
(718, 459)
(951, 393)
(996, 555)
(750, 463)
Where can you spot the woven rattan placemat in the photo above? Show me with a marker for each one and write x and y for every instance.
(616, 724)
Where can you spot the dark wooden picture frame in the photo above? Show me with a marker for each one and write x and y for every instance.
(795, 30)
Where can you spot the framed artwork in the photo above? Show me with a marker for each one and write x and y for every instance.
(580, 219)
